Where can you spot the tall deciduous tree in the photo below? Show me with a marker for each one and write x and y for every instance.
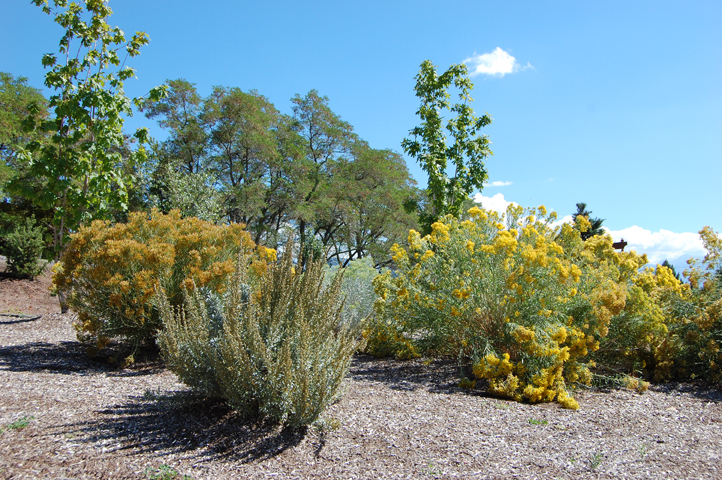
(243, 149)
(180, 113)
(18, 103)
(306, 174)
(325, 139)
(463, 150)
(80, 159)
(372, 192)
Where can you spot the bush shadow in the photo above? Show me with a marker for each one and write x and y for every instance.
(438, 376)
(69, 357)
(184, 422)
(704, 390)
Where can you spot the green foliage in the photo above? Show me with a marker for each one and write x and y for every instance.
(23, 248)
(533, 421)
(193, 194)
(19, 103)
(164, 472)
(595, 460)
(20, 423)
(428, 144)
(692, 346)
(111, 273)
(233, 156)
(274, 347)
(365, 212)
(79, 162)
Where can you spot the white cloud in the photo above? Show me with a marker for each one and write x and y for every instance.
(497, 63)
(497, 183)
(496, 203)
(564, 219)
(662, 245)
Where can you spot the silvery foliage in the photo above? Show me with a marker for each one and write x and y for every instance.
(357, 289)
(215, 309)
(202, 361)
(194, 194)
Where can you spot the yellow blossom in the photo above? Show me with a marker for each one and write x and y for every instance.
(470, 246)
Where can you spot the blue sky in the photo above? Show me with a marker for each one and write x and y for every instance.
(616, 104)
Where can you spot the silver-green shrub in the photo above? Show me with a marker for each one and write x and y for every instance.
(274, 347)
(357, 289)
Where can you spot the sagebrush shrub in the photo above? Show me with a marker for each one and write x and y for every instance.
(23, 250)
(274, 347)
(110, 273)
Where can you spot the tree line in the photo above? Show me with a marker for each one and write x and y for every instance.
(228, 157)
(232, 157)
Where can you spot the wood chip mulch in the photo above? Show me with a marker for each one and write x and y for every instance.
(88, 419)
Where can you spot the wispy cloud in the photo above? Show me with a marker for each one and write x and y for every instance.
(497, 183)
(496, 203)
(497, 63)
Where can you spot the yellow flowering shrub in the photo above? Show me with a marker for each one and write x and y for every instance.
(110, 272)
(534, 307)
(692, 346)
(525, 302)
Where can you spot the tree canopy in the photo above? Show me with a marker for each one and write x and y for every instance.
(306, 174)
(80, 159)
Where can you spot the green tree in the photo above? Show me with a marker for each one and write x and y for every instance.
(243, 149)
(80, 159)
(596, 223)
(370, 215)
(228, 156)
(305, 175)
(325, 139)
(463, 150)
(180, 113)
(19, 104)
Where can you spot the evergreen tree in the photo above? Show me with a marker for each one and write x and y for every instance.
(596, 228)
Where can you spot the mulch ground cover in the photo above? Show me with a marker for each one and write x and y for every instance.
(65, 415)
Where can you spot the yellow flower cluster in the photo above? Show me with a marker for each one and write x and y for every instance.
(439, 232)
(543, 305)
(513, 290)
(111, 272)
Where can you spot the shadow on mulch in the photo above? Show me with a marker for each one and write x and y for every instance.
(442, 376)
(68, 358)
(439, 376)
(184, 422)
(708, 391)
(13, 319)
